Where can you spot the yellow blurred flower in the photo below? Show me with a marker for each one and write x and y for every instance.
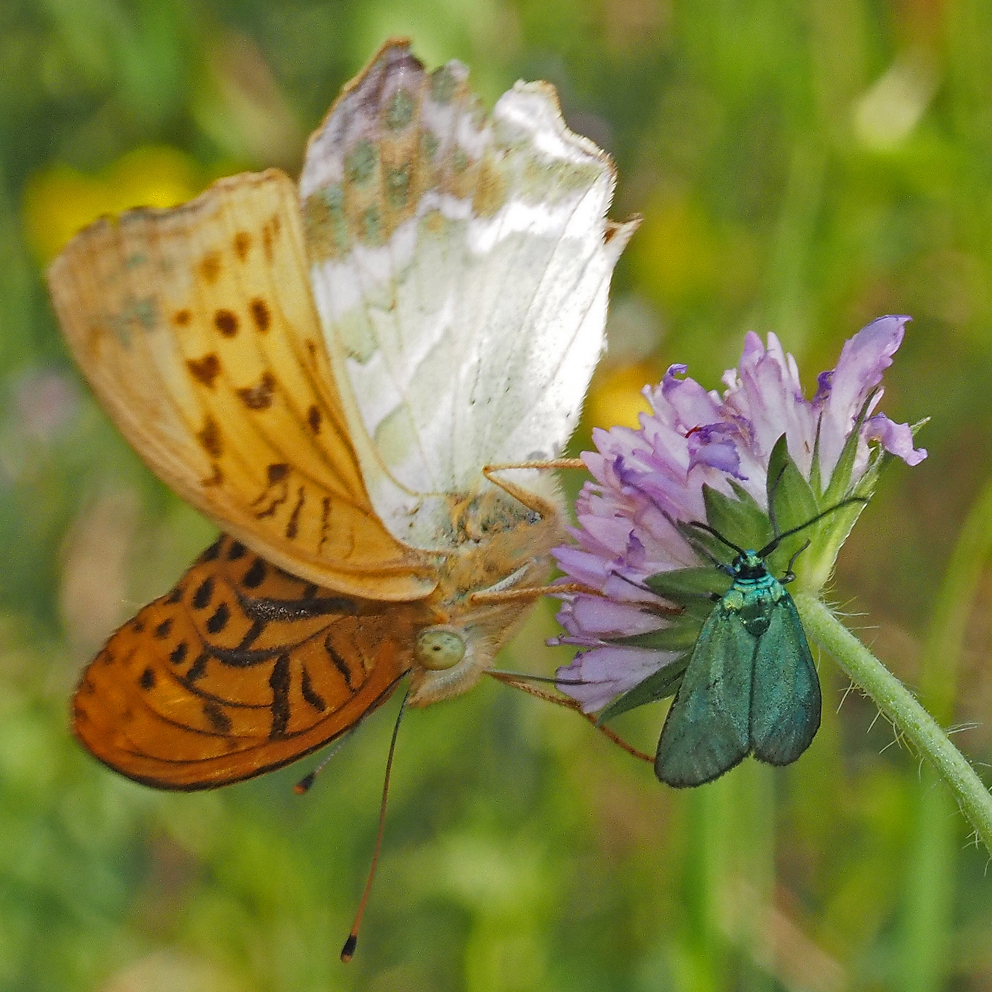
(60, 200)
(615, 398)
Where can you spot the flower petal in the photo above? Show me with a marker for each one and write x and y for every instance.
(646, 480)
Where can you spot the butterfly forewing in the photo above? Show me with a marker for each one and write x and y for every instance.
(196, 327)
(240, 669)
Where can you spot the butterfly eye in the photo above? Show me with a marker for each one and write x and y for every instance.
(439, 648)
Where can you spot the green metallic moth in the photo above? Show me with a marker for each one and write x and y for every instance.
(750, 685)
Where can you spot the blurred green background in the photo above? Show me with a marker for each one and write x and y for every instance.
(803, 166)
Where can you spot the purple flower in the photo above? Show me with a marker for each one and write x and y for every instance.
(648, 480)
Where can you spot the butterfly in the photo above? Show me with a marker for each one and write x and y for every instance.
(329, 371)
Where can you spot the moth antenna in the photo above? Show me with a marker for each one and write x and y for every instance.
(789, 574)
(774, 543)
(348, 951)
(718, 536)
(518, 682)
(696, 546)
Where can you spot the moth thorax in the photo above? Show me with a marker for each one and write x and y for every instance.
(439, 648)
(749, 566)
(759, 597)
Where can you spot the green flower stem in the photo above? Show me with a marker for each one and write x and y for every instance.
(901, 708)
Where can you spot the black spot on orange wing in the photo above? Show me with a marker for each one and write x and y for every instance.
(163, 630)
(292, 525)
(179, 653)
(197, 669)
(258, 397)
(210, 266)
(260, 314)
(275, 494)
(210, 437)
(256, 574)
(310, 694)
(216, 717)
(325, 518)
(218, 621)
(254, 632)
(279, 681)
(204, 369)
(204, 593)
(314, 418)
(242, 244)
(181, 318)
(267, 610)
(340, 663)
(226, 321)
(147, 680)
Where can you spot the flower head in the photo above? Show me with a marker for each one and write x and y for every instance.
(751, 463)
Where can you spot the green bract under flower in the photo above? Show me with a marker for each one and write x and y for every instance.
(752, 463)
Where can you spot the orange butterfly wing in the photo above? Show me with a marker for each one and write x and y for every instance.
(241, 669)
(197, 330)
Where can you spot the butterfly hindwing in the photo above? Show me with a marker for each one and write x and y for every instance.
(460, 264)
(240, 669)
(785, 705)
(707, 729)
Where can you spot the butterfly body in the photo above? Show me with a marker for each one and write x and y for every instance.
(502, 545)
(328, 371)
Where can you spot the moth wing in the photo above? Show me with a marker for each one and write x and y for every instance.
(706, 732)
(197, 330)
(461, 265)
(785, 706)
(241, 669)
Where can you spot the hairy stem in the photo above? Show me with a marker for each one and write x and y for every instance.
(901, 708)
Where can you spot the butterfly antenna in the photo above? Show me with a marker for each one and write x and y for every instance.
(348, 951)
(307, 781)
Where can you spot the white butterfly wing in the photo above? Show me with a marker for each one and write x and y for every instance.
(461, 266)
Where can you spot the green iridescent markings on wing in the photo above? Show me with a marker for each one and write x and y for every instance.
(750, 685)
(398, 186)
(399, 112)
(444, 85)
(360, 163)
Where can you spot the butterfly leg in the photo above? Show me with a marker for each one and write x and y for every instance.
(545, 507)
